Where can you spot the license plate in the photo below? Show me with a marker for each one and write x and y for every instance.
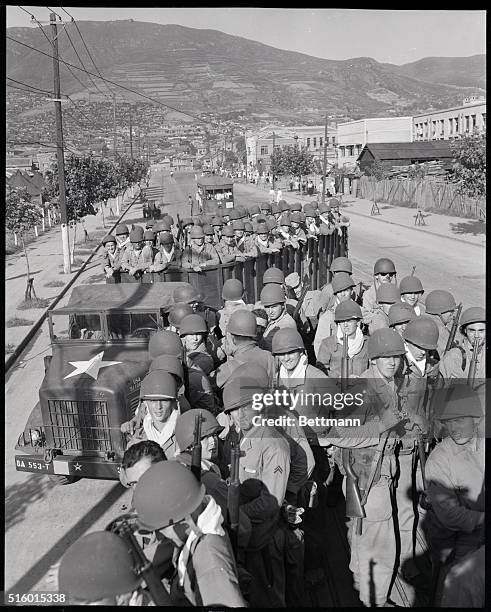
(29, 465)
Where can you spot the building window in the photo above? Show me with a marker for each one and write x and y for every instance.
(264, 150)
(350, 150)
(333, 140)
(467, 123)
(341, 151)
(248, 151)
(473, 123)
(308, 143)
(456, 125)
(450, 126)
(484, 121)
(315, 142)
(320, 141)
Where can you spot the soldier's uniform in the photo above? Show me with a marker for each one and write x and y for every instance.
(443, 335)
(109, 260)
(227, 253)
(330, 355)
(455, 364)
(141, 260)
(247, 246)
(326, 327)
(225, 313)
(284, 320)
(248, 352)
(270, 245)
(193, 256)
(379, 320)
(163, 258)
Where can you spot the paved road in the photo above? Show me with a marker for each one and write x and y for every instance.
(42, 520)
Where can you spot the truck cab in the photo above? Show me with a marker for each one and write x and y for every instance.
(92, 380)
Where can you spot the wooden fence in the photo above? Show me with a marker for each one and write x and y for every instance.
(422, 194)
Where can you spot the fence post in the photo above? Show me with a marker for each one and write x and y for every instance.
(36, 230)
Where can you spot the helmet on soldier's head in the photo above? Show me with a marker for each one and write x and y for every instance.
(400, 312)
(272, 294)
(242, 212)
(242, 323)
(108, 238)
(439, 301)
(254, 209)
(296, 206)
(187, 221)
(387, 293)
(238, 225)
(96, 566)
(232, 289)
(295, 217)
(475, 314)
(136, 235)
(385, 342)
(178, 311)
(342, 281)
(266, 206)
(228, 231)
(158, 226)
(271, 224)
(164, 343)
(341, 264)
(347, 310)
(287, 340)
(273, 275)
(248, 226)
(246, 381)
(165, 494)
(205, 220)
(301, 216)
(184, 431)
(193, 324)
(216, 222)
(233, 214)
(122, 229)
(187, 293)
(323, 207)
(333, 202)
(148, 235)
(384, 266)
(411, 284)
(262, 228)
(197, 232)
(457, 401)
(208, 230)
(158, 385)
(283, 204)
(168, 363)
(275, 209)
(166, 223)
(422, 332)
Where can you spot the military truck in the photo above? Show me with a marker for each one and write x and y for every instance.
(92, 380)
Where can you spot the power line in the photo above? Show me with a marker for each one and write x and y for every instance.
(33, 18)
(27, 85)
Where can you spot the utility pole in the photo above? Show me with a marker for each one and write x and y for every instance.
(114, 126)
(59, 149)
(324, 164)
(131, 136)
(274, 136)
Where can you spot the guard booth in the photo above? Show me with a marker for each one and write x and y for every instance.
(216, 192)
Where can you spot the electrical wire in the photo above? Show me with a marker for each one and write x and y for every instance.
(33, 18)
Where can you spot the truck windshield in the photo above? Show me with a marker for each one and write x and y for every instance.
(132, 325)
(82, 326)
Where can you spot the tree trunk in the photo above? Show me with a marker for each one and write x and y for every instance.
(30, 281)
(102, 212)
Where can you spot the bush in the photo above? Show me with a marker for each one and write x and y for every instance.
(18, 322)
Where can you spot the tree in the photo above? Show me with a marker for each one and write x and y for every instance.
(21, 215)
(470, 165)
(378, 170)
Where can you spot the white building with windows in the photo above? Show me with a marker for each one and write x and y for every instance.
(470, 118)
(354, 135)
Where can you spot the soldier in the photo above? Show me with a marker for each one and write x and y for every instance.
(285, 234)
(137, 459)
(399, 315)
(296, 231)
(326, 220)
(275, 211)
(387, 294)
(264, 241)
(136, 260)
(440, 306)
(187, 226)
(240, 340)
(189, 294)
(245, 245)
(198, 254)
(169, 253)
(173, 365)
(456, 362)
(310, 307)
(193, 331)
(273, 301)
(122, 236)
(384, 271)
(248, 230)
(347, 316)
(227, 247)
(284, 208)
(266, 209)
(338, 264)
(232, 295)
(209, 234)
(311, 225)
(109, 258)
(217, 225)
(342, 287)
(411, 289)
(149, 240)
(254, 211)
(169, 500)
(98, 569)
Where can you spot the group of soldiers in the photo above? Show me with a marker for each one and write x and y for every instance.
(232, 235)
(222, 489)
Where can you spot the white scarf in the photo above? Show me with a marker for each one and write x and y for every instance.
(354, 344)
(161, 437)
(286, 236)
(421, 364)
(326, 221)
(209, 522)
(298, 371)
(168, 255)
(263, 243)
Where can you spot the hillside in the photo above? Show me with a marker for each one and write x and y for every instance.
(459, 71)
(209, 71)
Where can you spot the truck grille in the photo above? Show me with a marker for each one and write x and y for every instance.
(80, 425)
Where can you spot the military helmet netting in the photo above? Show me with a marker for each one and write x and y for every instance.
(347, 310)
(164, 342)
(287, 340)
(439, 301)
(384, 266)
(385, 342)
(242, 323)
(184, 431)
(165, 494)
(232, 289)
(96, 566)
(423, 332)
(411, 284)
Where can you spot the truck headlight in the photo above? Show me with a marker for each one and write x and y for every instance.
(36, 436)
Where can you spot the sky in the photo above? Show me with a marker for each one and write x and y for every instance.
(396, 36)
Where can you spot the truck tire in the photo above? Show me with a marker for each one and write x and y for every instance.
(61, 479)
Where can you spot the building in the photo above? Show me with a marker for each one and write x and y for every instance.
(354, 135)
(452, 123)
(404, 153)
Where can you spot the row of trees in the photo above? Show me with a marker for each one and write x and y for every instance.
(291, 161)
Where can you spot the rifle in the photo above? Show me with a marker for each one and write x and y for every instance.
(298, 305)
(471, 376)
(354, 506)
(344, 364)
(142, 566)
(233, 496)
(196, 452)
(181, 236)
(453, 331)
(359, 294)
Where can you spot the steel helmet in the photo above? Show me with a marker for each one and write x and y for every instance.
(247, 380)
(333, 202)
(439, 301)
(187, 221)
(254, 209)
(108, 238)
(196, 232)
(262, 228)
(166, 223)
(400, 313)
(238, 225)
(387, 293)
(187, 293)
(273, 275)
(296, 206)
(136, 235)
(272, 294)
(283, 205)
(423, 332)
(385, 342)
(228, 231)
(285, 220)
(301, 216)
(475, 314)
(411, 284)
(148, 235)
(242, 323)
(242, 212)
(158, 226)
(296, 217)
(271, 223)
(158, 385)
(149, 225)
(216, 221)
(166, 238)
(232, 289)
(193, 324)
(384, 266)
(208, 230)
(97, 565)
(266, 206)
(122, 229)
(234, 214)
(457, 401)
(197, 221)
(164, 343)
(168, 363)
(248, 226)
(347, 310)
(275, 209)
(184, 431)
(324, 207)
(309, 209)
(177, 313)
(286, 340)
(341, 264)
(342, 281)
(165, 494)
